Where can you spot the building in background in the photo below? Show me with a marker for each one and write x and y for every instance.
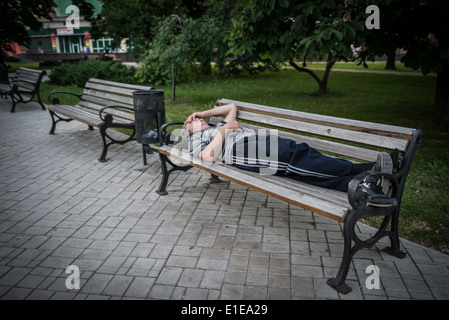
(67, 34)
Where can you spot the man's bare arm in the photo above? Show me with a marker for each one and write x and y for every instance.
(228, 111)
(214, 148)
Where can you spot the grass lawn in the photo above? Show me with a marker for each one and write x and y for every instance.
(391, 99)
(376, 65)
(31, 65)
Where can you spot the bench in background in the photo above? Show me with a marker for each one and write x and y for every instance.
(104, 105)
(26, 81)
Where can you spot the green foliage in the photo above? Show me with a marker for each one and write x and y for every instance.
(420, 28)
(281, 30)
(77, 74)
(272, 32)
(137, 20)
(16, 16)
(183, 45)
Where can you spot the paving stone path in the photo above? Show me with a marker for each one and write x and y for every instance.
(60, 207)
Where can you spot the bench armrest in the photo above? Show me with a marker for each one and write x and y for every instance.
(164, 138)
(12, 83)
(56, 100)
(356, 200)
(108, 117)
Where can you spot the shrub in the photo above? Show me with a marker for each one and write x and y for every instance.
(78, 73)
(49, 64)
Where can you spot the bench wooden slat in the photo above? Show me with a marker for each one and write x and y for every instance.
(299, 197)
(133, 87)
(77, 113)
(28, 70)
(32, 77)
(326, 131)
(27, 76)
(103, 102)
(107, 88)
(82, 114)
(334, 196)
(23, 89)
(326, 145)
(354, 152)
(108, 96)
(25, 79)
(364, 126)
(118, 115)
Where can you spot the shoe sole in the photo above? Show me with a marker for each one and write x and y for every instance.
(377, 205)
(386, 166)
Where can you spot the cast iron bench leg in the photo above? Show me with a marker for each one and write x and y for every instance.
(338, 283)
(165, 174)
(15, 100)
(54, 121)
(395, 248)
(40, 101)
(105, 144)
(349, 235)
(144, 155)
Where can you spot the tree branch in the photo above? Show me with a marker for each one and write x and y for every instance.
(302, 69)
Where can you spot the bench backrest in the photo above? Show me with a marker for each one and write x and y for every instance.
(353, 139)
(99, 93)
(28, 79)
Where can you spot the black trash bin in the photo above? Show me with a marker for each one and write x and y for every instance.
(149, 115)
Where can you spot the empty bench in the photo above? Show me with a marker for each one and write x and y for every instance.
(358, 140)
(104, 105)
(26, 81)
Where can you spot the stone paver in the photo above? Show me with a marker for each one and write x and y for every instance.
(59, 206)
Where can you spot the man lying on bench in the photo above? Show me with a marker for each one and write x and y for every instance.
(264, 153)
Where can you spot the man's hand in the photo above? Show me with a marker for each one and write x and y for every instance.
(228, 111)
(193, 116)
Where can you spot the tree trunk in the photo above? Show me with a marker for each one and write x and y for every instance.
(440, 119)
(173, 83)
(302, 69)
(329, 64)
(322, 83)
(391, 60)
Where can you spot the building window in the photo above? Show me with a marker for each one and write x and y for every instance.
(100, 45)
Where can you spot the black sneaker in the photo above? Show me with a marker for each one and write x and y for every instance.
(397, 159)
(372, 195)
(383, 164)
(374, 189)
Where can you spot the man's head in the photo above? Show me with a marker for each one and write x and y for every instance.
(196, 124)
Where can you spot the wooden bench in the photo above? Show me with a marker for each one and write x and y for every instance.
(103, 104)
(26, 81)
(357, 140)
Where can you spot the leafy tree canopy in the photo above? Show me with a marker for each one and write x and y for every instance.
(421, 28)
(138, 19)
(16, 16)
(275, 31)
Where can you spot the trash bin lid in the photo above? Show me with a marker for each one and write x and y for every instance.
(146, 92)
